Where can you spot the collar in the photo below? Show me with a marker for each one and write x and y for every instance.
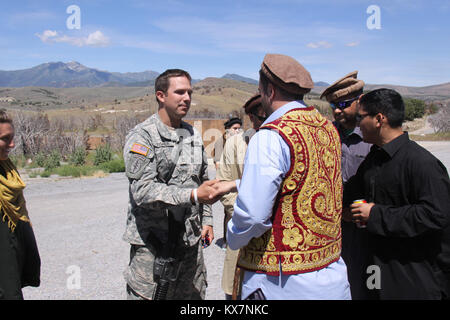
(341, 130)
(171, 134)
(285, 108)
(392, 147)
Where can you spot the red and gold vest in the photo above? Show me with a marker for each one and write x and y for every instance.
(306, 220)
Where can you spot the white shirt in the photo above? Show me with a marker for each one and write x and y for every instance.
(267, 162)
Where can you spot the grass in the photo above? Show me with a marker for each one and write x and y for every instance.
(70, 170)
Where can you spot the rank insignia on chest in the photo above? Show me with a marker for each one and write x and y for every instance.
(140, 149)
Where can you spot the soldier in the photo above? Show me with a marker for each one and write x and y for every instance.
(169, 207)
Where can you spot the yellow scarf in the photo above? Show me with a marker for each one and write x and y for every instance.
(12, 202)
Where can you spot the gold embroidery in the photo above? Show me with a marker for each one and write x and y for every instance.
(292, 237)
(307, 218)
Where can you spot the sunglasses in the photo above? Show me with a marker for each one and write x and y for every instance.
(343, 104)
(260, 118)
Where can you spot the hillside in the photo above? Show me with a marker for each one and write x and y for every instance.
(428, 93)
(67, 75)
(212, 97)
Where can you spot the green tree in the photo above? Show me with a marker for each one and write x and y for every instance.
(414, 109)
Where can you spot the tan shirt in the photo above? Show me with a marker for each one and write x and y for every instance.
(230, 169)
(232, 166)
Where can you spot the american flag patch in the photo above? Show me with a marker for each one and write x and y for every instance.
(138, 148)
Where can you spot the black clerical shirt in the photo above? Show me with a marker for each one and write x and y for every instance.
(408, 227)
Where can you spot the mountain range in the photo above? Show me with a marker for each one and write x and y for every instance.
(68, 75)
(75, 75)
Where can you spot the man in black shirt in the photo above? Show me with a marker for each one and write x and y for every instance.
(407, 213)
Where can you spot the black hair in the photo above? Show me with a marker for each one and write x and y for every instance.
(231, 122)
(387, 102)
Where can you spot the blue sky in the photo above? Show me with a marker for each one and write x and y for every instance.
(211, 38)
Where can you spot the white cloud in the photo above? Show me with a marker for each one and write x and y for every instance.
(97, 39)
(319, 44)
(352, 44)
(94, 39)
(46, 35)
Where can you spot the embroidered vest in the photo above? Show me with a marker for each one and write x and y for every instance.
(306, 220)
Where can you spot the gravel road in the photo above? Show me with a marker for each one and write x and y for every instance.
(79, 224)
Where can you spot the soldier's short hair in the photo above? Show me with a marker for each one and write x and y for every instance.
(162, 81)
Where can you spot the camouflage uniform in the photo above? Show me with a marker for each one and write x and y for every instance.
(163, 166)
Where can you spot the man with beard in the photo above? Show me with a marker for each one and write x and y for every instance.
(287, 216)
(343, 97)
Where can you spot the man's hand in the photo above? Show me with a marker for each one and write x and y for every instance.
(361, 212)
(212, 190)
(207, 231)
(204, 191)
(221, 188)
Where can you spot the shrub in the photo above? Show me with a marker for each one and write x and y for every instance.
(46, 174)
(75, 171)
(103, 154)
(39, 159)
(53, 160)
(116, 165)
(78, 157)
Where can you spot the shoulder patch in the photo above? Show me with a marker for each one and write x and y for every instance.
(135, 166)
(140, 149)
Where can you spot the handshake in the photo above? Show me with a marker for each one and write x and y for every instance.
(212, 190)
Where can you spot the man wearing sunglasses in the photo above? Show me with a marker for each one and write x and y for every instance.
(343, 96)
(407, 214)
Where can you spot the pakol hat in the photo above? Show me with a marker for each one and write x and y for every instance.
(343, 89)
(287, 73)
(231, 122)
(252, 103)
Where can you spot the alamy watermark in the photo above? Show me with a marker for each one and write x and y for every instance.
(74, 20)
(374, 20)
(374, 280)
(73, 281)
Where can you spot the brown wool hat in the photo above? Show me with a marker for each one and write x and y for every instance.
(287, 73)
(251, 103)
(343, 89)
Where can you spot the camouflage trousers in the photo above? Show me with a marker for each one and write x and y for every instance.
(190, 284)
